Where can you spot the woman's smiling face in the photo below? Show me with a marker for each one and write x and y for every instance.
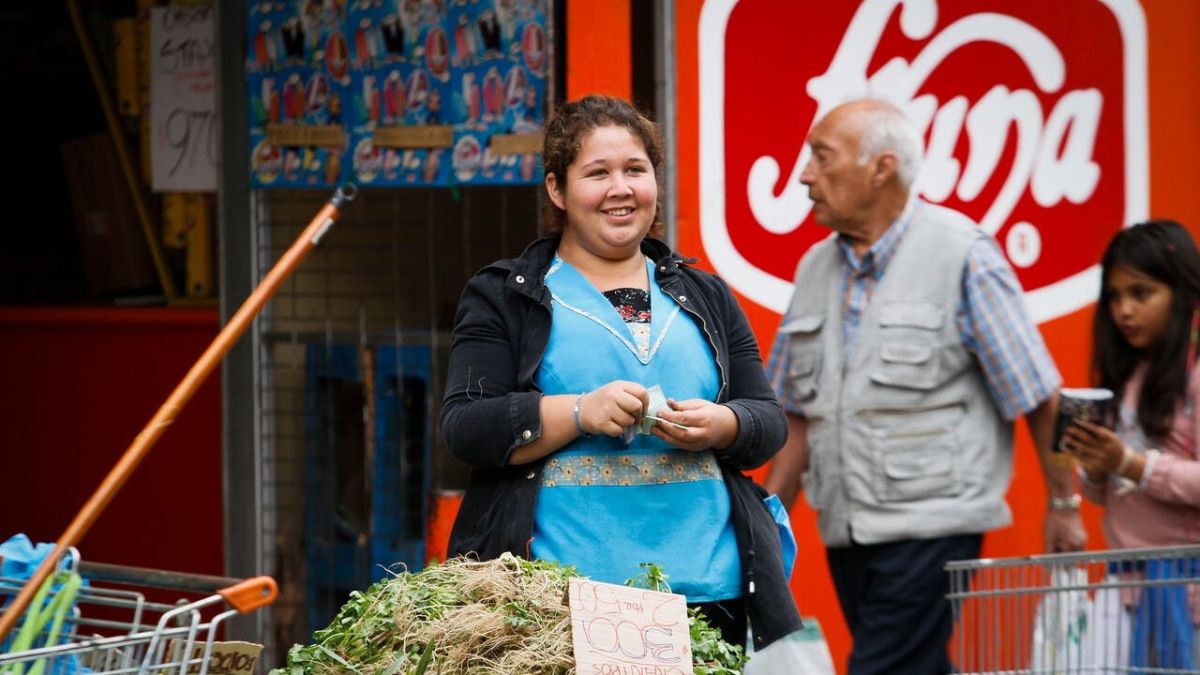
(609, 194)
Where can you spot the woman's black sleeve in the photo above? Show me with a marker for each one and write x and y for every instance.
(484, 417)
(761, 421)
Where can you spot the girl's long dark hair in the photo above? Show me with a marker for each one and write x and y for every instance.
(1164, 250)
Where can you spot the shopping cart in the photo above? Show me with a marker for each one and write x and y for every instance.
(116, 622)
(1124, 611)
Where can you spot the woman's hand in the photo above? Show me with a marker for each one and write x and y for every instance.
(709, 425)
(611, 408)
(1098, 449)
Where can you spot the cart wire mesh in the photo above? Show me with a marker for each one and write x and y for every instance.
(109, 619)
(1120, 611)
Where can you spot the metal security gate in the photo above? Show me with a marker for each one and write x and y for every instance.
(349, 359)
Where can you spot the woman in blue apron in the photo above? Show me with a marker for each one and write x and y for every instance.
(608, 396)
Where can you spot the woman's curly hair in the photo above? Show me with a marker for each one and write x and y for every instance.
(572, 122)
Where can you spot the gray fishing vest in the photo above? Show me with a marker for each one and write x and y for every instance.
(904, 439)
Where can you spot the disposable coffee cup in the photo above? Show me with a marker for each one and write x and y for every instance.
(1080, 405)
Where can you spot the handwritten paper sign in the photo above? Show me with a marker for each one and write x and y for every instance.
(226, 658)
(628, 631)
(183, 119)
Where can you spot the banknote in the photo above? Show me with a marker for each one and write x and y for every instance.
(658, 403)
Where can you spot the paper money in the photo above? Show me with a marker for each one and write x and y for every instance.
(650, 417)
(677, 425)
(658, 403)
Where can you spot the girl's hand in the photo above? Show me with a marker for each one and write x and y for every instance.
(709, 425)
(1098, 449)
(611, 408)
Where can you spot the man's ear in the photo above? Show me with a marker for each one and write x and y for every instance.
(884, 170)
(556, 197)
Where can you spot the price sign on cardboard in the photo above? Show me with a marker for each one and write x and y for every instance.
(226, 658)
(183, 121)
(619, 630)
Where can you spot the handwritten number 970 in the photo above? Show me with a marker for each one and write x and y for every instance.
(189, 133)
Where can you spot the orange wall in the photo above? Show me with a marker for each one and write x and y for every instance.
(1172, 28)
(598, 49)
(1174, 60)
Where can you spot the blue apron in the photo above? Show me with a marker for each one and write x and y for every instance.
(604, 506)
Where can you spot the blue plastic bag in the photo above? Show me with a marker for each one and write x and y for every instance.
(787, 539)
(21, 557)
(20, 560)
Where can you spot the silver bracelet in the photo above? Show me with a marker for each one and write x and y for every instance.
(578, 426)
(1066, 503)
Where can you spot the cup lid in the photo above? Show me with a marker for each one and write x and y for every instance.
(1088, 394)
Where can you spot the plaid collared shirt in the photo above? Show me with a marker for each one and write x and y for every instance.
(993, 322)
(861, 276)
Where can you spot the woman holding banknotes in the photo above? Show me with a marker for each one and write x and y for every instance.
(556, 364)
(1146, 472)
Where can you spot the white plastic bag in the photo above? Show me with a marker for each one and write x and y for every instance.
(1061, 622)
(802, 652)
(1106, 642)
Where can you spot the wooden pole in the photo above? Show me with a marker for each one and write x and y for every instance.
(183, 392)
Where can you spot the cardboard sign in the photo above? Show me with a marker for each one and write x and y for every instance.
(227, 658)
(328, 135)
(514, 144)
(619, 630)
(428, 136)
(183, 120)
(1026, 130)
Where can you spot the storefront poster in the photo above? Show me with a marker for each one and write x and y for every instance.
(298, 74)
(444, 71)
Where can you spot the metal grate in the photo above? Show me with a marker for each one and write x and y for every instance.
(364, 322)
(1122, 611)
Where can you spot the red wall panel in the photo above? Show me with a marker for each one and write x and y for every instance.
(79, 384)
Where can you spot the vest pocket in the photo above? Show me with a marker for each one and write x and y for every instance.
(908, 365)
(804, 351)
(908, 353)
(815, 489)
(916, 466)
(820, 481)
(803, 375)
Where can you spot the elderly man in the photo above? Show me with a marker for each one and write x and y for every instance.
(902, 361)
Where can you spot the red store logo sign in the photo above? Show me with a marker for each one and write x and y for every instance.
(1034, 116)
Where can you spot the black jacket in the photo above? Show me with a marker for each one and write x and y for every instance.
(492, 406)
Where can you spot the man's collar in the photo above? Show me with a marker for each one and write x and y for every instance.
(881, 251)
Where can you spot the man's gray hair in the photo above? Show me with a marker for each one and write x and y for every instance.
(885, 128)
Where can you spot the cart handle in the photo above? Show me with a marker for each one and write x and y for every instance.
(250, 594)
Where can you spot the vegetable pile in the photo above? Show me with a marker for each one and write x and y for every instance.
(462, 617)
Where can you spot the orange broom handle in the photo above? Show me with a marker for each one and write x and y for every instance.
(183, 392)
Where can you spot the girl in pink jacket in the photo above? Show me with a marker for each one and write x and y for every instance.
(1146, 473)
